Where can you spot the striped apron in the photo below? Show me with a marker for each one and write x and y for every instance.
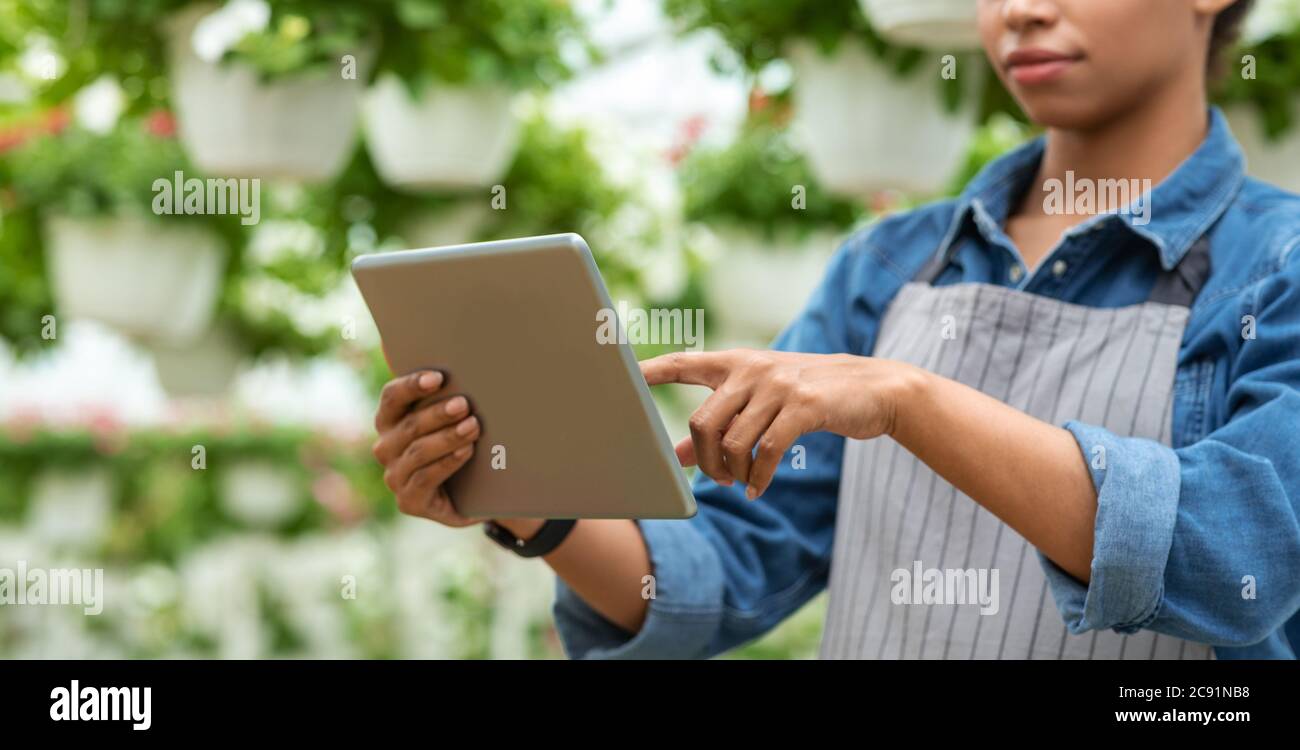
(1056, 361)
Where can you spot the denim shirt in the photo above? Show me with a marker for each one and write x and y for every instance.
(1199, 540)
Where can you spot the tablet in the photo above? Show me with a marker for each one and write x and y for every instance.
(569, 429)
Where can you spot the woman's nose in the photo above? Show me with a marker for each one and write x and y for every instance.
(1020, 15)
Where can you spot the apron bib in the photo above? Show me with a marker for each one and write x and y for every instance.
(900, 527)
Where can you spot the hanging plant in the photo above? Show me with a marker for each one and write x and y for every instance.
(269, 91)
(90, 39)
(519, 44)
(851, 89)
(294, 37)
(87, 200)
(770, 226)
(554, 184)
(762, 182)
(759, 33)
(439, 114)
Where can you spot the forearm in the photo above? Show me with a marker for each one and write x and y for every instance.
(605, 561)
(1027, 472)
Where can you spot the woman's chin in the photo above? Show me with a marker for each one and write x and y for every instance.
(1064, 112)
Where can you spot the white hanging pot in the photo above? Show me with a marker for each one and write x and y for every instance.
(204, 367)
(864, 129)
(945, 25)
(756, 286)
(1275, 161)
(298, 127)
(454, 224)
(156, 279)
(446, 137)
(259, 493)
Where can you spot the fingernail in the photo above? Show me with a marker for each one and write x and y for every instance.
(726, 482)
(751, 493)
(430, 380)
(467, 425)
(463, 451)
(457, 405)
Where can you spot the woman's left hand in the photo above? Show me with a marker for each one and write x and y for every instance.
(769, 398)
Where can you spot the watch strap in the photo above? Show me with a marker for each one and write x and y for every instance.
(547, 538)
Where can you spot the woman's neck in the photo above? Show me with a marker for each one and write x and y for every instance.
(1147, 142)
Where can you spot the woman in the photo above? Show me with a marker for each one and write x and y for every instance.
(1041, 420)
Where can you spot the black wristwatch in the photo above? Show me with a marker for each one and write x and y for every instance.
(547, 538)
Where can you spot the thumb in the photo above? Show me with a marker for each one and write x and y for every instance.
(685, 450)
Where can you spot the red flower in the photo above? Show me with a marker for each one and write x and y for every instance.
(56, 121)
(161, 124)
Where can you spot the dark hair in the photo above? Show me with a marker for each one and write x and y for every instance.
(1227, 25)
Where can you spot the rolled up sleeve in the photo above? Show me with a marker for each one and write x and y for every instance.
(1137, 483)
(684, 612)
(1202, 541)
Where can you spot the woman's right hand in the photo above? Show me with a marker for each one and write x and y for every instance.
(425, 436)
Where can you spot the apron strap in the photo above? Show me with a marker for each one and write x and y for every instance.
(1177, 286)
(1180, 284)
(935, 265)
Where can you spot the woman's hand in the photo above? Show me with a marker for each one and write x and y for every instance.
(425, 436)
(768, 399)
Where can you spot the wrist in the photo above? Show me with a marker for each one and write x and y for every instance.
(906, 394)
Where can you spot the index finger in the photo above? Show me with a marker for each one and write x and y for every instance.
(398, 395)
(690, 368)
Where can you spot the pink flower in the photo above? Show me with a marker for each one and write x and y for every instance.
(689, 134)
(161, 124)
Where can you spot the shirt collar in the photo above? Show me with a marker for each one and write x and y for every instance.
(1176, 213)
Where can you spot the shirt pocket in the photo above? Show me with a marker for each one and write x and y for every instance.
(1191, 398)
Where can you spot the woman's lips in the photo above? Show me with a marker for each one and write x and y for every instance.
(1033, 66)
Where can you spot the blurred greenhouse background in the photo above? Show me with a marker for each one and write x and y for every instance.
(186, 399)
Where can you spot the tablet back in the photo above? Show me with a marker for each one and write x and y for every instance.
(568, 426)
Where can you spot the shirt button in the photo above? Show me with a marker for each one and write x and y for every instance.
(1016, 273)
(1059, 268)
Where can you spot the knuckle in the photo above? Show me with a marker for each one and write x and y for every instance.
(377, 450)
(410, 427)
(699, 421)
(415, 452)
(768, 444)
(785, 381)
(734, 446)
(422, 478)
